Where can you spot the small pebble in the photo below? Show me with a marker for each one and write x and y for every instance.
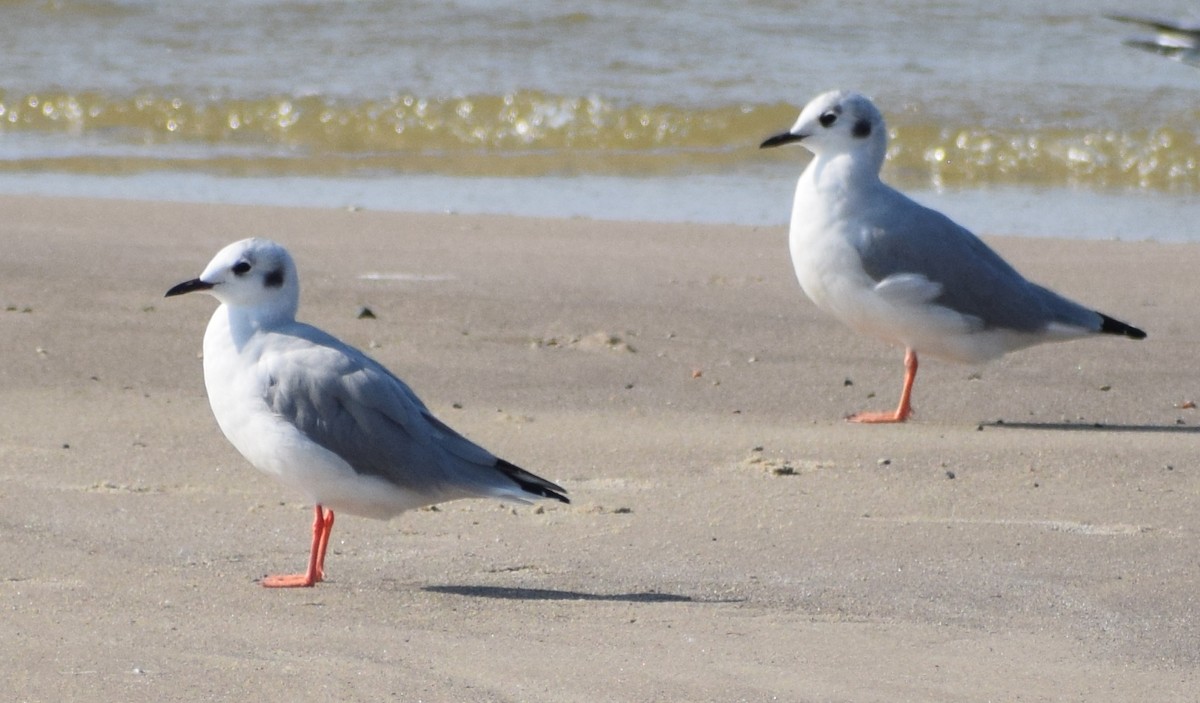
(365, 313)
(884, 462)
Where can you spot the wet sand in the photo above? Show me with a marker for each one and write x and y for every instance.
(1030, 535)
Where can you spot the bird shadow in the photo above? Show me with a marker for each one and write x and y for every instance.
(515, 593)
(1089, 427)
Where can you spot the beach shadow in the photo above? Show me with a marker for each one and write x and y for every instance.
(1090, 427)
(511, 593)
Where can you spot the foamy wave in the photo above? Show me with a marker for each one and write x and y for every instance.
(535, 134)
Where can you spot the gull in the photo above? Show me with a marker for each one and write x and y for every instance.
(891, 268)
(324, 418)
(1175, 39)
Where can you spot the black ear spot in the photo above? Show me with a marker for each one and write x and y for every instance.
(274, 279)
(862, 128)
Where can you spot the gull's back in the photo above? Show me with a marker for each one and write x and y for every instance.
(350, 405)
(900, 236)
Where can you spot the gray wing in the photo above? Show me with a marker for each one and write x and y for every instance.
(1177, 33)
(351, 405)
(970, 278)
(1179, 40)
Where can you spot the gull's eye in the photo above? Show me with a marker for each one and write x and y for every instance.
(827, 119)
(241, 268)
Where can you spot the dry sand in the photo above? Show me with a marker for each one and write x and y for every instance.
(731, 539)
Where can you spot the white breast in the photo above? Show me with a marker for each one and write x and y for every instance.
(824, 238)
(236, 384)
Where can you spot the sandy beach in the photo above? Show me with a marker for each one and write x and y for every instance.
(1031, 535)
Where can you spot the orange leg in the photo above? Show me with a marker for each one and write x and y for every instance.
(328, 528)
(322, 526)
(905, 408)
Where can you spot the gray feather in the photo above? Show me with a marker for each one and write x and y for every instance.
(351, 405)
(974, 280)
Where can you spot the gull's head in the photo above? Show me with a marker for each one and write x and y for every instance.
(252, 274)
(835, 123)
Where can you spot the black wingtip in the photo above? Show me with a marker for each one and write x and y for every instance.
(530, 483)
(1110, 326)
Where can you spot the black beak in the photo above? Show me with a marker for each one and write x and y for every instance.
(781, 139)
(188, 287)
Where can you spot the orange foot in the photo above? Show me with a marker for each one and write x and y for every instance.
(879, 418)
(289, 581)
(902, 411)
(322, 526)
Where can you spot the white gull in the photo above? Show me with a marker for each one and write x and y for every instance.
(893, 269)
(324, 418)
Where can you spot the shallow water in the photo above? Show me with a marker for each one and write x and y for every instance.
(595, 109)
(713, 199)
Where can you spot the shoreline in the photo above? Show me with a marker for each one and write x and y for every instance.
(759, 195)
(730, 537)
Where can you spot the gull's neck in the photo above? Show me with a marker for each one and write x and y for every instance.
(843, 174)
(245, 322)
